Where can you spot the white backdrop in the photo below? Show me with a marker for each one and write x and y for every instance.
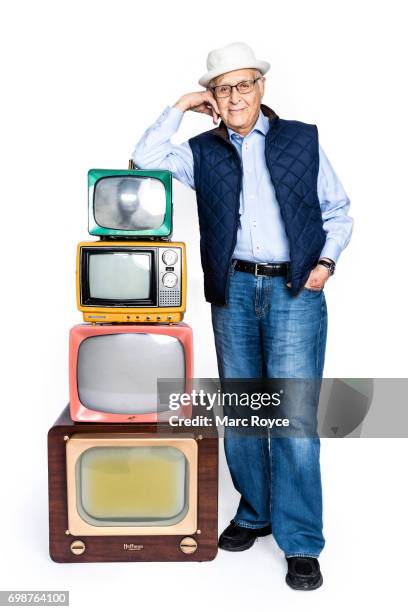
(81, 82)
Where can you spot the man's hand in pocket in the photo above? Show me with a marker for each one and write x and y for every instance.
(317, 278)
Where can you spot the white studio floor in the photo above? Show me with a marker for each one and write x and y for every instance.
(365, 507)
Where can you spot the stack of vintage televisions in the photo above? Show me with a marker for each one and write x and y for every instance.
(124, 484)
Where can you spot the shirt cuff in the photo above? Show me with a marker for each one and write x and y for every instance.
(331, 250)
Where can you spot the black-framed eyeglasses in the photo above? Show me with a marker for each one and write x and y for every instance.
(244, 87)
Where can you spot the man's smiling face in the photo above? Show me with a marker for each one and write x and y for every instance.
(240, 110)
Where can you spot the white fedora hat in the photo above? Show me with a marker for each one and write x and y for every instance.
(232, 57)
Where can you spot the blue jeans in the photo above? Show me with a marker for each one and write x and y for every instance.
(265, 331)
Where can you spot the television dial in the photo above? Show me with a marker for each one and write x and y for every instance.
(169, 279)
(169, 257)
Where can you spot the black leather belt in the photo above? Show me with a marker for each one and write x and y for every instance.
(261, 269)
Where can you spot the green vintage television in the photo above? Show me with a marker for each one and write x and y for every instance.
(134, 204)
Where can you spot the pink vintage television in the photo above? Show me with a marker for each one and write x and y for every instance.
(115, 370)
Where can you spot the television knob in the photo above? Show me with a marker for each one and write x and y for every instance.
(77, 547)
(188, 546)
(169, 257)
(169, 279)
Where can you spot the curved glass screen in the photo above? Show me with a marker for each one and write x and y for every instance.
(119, 276)
(129, 203)
(132, 486)
(119, 373)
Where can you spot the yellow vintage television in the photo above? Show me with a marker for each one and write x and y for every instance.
(131, 282)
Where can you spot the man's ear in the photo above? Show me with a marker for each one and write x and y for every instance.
(262, 86)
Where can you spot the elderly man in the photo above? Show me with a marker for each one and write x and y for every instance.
(273, 222)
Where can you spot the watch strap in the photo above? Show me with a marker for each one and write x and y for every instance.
(330, 265)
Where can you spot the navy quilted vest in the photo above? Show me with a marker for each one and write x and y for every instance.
(292, 158)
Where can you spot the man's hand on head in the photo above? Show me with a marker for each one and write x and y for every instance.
(199, 102)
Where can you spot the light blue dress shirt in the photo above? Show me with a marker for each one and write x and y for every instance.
(261, 233)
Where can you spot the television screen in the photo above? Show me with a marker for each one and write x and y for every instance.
(120, 276)
(130, 203)
(131, 485)
(118, 373)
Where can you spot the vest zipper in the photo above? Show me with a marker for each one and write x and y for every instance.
(237, 206)
(285, 221)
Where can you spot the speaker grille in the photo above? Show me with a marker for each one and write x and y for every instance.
(169, 298)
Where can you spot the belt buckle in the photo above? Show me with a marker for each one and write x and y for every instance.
(256, 268)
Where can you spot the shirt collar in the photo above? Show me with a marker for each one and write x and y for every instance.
(261, 125)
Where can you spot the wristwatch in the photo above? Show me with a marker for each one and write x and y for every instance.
(330, 265)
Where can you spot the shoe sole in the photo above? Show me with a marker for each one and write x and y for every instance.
(242, 548)
(239, 549)
(302, 588)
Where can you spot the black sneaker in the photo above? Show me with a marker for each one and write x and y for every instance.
(236, 539)
(303, 573)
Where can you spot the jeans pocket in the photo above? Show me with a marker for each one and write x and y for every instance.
(313, 290)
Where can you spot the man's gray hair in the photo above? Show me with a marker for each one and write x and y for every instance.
(256, 72)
